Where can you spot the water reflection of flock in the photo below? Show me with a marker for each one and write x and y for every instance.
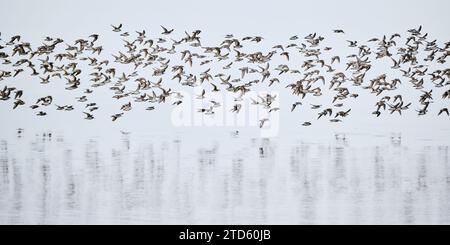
(150, 181)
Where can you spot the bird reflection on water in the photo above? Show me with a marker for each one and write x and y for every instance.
(49, 179)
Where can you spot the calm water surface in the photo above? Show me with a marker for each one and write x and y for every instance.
(126, 178)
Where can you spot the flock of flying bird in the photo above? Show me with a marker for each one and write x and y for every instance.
(56, 60)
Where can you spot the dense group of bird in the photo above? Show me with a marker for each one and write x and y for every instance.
(227, 67)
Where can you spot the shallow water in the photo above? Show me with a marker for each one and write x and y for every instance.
(136, 179)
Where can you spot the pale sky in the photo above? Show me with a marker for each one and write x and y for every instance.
(276, 21)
